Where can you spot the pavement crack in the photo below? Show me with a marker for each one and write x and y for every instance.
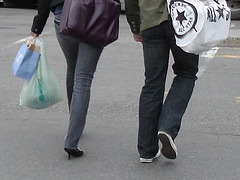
(223, 134)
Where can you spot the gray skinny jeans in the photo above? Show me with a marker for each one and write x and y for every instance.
(82, 61)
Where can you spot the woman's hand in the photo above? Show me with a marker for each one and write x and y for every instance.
(34, 35)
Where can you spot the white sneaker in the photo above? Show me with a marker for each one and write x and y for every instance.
(144, 160)
(169, 149)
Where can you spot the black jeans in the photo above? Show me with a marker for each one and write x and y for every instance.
(154, 114)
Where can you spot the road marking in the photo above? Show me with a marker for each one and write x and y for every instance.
(209, 55)
(238, 99)
(228, 56)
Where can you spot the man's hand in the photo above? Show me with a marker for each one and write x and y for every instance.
(137, 37)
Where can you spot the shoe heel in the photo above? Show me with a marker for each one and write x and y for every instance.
(73, 152)
(69, 156)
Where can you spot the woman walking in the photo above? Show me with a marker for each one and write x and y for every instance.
(82, 59)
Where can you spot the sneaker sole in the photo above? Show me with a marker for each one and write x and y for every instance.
(143, 160)
(169, 149)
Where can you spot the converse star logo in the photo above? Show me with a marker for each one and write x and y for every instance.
(181, 17)
(217, 12)
(184, 16)
(220, 11)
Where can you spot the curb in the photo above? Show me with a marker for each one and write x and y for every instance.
(231, 42)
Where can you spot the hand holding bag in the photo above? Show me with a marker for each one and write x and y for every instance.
(43, 89)
(92, 21)
(199, 24)
(26, 60)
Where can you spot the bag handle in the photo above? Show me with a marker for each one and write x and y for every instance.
(30, 41)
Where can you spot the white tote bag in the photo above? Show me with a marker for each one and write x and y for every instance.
(199, 24)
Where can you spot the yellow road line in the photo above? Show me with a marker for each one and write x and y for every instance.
(237, 99)
(227, 56)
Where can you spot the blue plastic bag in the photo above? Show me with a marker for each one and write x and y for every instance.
(43, 89)
(25, 62)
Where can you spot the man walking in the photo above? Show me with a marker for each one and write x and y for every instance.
(160, 119)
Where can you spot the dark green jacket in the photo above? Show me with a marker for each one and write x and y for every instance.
(144, 14)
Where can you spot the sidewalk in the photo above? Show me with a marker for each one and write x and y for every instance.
(233, 39)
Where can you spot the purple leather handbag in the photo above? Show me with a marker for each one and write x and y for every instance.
(91, 21)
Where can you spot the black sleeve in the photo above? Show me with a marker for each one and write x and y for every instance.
(40, 19)
(133, 15)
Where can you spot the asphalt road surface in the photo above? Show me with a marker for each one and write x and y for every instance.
(31, 141)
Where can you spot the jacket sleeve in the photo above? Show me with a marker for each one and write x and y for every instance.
(40, 19)
(133, 15)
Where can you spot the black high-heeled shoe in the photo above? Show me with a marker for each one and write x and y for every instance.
(73, 152)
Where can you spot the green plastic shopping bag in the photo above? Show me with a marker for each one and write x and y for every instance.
(43, 89)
